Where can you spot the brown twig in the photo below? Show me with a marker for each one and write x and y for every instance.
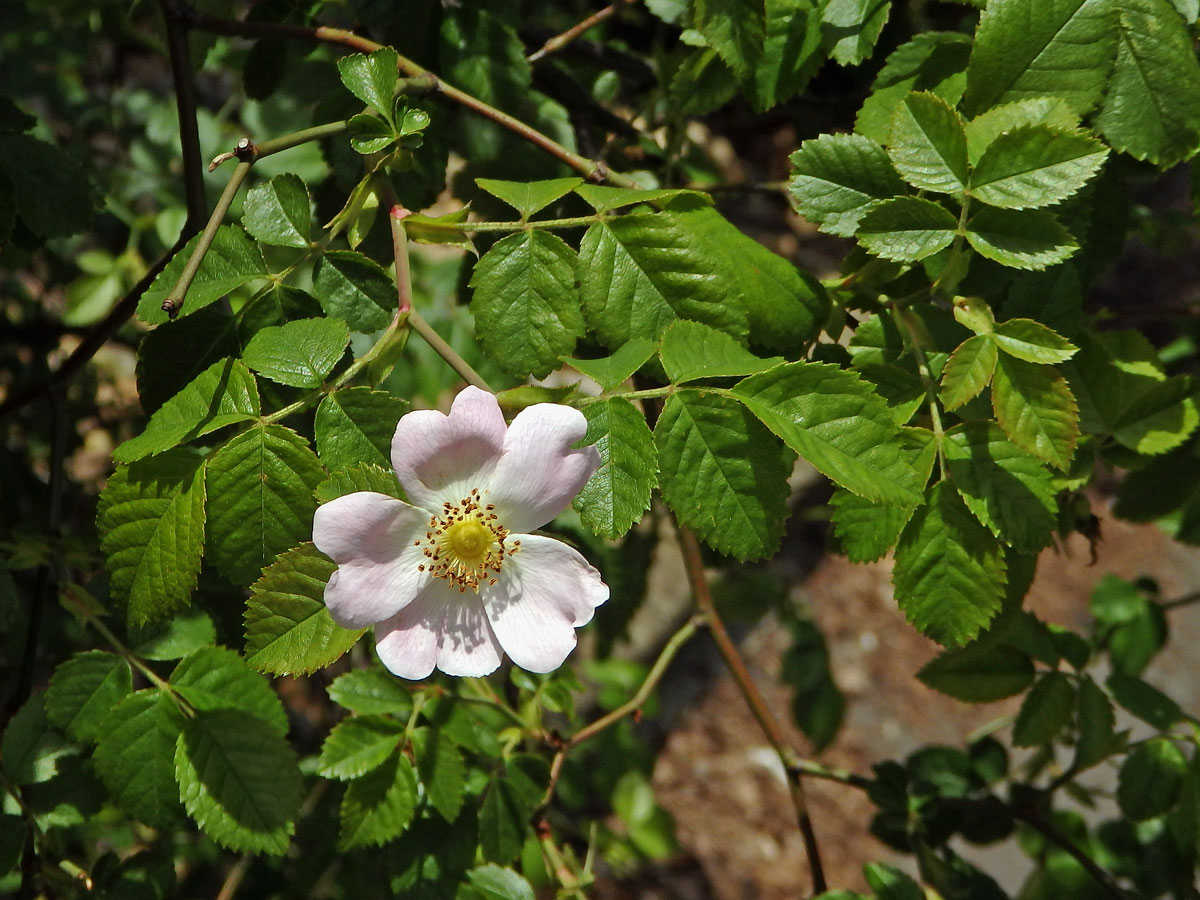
(588, 168)
(185, 107)
(559, 41)
(771, 729)
(673, 645)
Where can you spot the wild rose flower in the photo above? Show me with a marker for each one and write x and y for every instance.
(454, 578)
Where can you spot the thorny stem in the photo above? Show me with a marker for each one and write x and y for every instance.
(588, 168)
(559, 41)
(629, 707)
(445, 351)
(771, 729)
(404, 293)
(572, 222)
(407, 313)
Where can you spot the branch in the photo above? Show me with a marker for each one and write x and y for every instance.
(628, 708)
(694, 564)
(588, 168)
(1050, 832)
(185, 106)
(174, 301)
(561, 40)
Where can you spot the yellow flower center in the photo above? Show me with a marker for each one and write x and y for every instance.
(465, 544)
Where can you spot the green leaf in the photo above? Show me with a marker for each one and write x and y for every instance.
(949, 574)
(507, 807)
(866, 531)
(604, 198)
(1033, 342)
(83, 689)
(1027, 239)
(1159, 418)
(999, 120)
(359, 744)
(906, 229)
(1025, 48)
(135, 757)
(442, 769)
(496, 883)
(171, 355)
(371, 77)
(524, 302)
(214, 678)
(368, 134)
(1045, 711)
(928, 144)
(361, 477)
(528, 197)
(889, 883)
(30, 747)
(722, 473)
(836, 177)
(978, 674)
(277, 212)
(1035, 165)
(791, 54)
(368, 691)
(265, 477)
(1094, 715)
(288, 628)
(356, 290)
(378, 807)
(691, 351)
(1008, 490)
(299, 353)
(238, 780)
(1152, 107)
(934, 61)
(221, 395)
(613, 371)
(734, 28)
(784, 307)
(836, 422)
(1149, 781)
(617, 494)
(356, 425)
(231, 261)
(853, 27)
(1144, 700)
(176, 637)
(968, 370)
(151, 524)
(640, 272)
(1036, 409)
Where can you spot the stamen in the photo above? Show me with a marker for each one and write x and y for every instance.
(466, 544)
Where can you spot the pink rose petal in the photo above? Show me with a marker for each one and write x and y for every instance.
(439, 458)
(539, 473)
(545, 591)
(370, 537)
(442, 628)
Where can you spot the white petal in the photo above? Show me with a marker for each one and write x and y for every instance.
(545, 591)
(539, 474)
(370, 536)
(439, 458)
(441, 628)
